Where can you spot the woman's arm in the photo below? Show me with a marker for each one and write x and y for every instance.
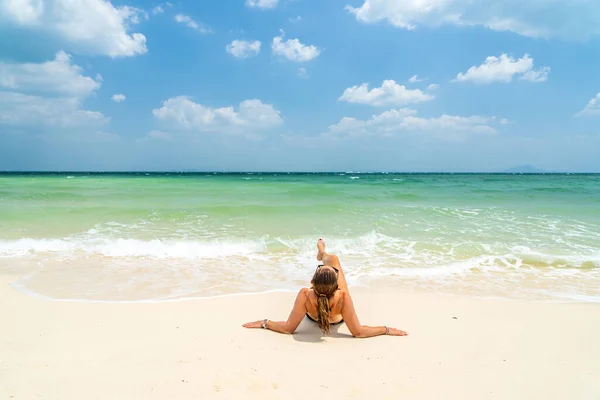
(293, 320)
(363, 331)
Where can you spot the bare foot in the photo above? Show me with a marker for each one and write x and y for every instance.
(321, 248)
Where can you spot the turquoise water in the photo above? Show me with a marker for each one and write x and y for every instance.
(126, 237)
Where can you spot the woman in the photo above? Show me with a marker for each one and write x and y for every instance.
(327, 303)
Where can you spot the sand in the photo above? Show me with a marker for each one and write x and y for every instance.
(458, 348)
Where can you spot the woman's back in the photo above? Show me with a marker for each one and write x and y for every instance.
(335, 306)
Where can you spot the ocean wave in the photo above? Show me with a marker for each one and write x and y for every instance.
(101, 268)
(372, 248)
(155, 248)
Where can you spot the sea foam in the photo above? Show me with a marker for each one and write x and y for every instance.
(154, 269)
(121, 247)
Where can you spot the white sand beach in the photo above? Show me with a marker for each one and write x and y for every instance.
(458, 348)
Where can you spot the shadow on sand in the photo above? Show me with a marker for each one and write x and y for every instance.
(308, 331)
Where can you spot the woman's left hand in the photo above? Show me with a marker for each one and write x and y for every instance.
(255, 324)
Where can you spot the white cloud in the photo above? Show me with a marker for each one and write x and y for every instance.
(403, 121)
(390, 93)
(296, 19)
(538, 75)
(243, 48)
(302, 73)
(182, 114)
(189, 22)
(503, 69)
(56, 77)
(293, 50)
(118, 98)
(415, 79)
(433, 86)
(536, 18)
(159, 9)
(87, 26)
(47, 94)
(592, 107)
(134, 14)
(32, 111)
(262, 3)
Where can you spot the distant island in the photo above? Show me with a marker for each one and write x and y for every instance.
(528, 169)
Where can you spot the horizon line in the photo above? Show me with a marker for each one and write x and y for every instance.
(192, 171)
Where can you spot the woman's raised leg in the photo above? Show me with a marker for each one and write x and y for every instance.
(333, 261)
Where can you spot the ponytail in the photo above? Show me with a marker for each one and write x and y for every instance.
(325, 284)
(323, 313)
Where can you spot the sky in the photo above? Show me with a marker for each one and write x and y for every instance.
(300, 85)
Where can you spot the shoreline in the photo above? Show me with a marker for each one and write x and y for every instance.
(188, 349)
(355, 289)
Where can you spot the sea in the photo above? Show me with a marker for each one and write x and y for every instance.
(139, 237)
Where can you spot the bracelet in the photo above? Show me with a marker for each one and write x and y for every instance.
(264, 323)
(387, 330)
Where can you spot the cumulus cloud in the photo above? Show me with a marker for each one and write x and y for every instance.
(182, 114)
(262, 3)
(47, 94)
(390, 93)
(33, 111)
(93, 27)
(536, 18)
(118, 98)
(397, 122)
(57, 77)
(293, 50)
(190, 23)
(592, 107)
(243, 49)
(503, 69)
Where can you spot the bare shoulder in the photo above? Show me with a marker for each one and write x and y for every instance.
(343, 295)
(304, 296)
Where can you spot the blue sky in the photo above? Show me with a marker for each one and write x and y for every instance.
(300, 85)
